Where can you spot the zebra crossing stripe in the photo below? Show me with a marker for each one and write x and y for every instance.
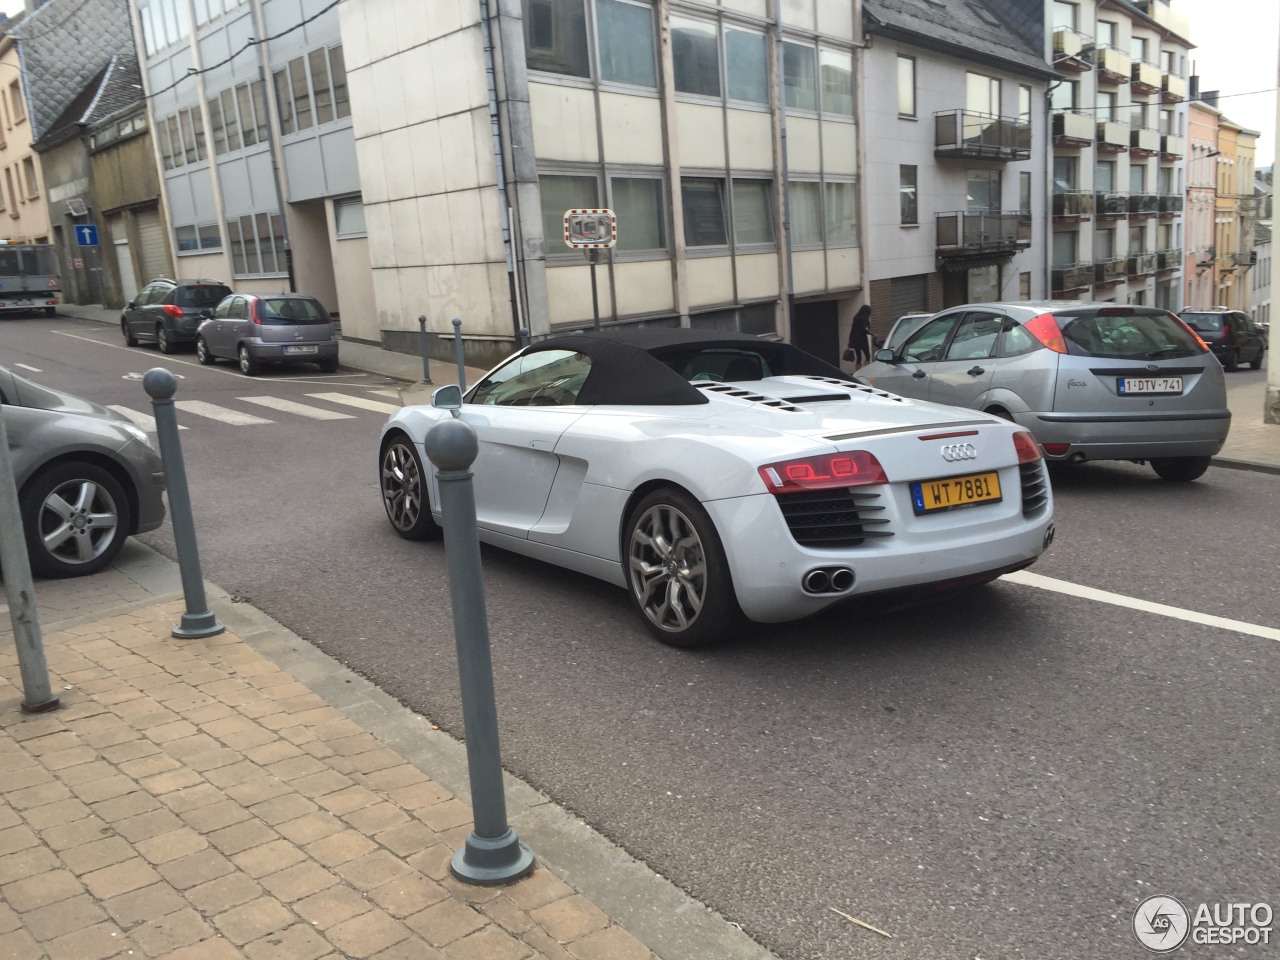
(301, 409)
(137, 418)
(364, 403)
(222, 414)
(394, 394)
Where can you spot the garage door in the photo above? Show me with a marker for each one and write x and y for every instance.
(908, 295)
(152, 253)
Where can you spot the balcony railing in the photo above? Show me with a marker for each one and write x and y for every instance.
(1141, 265)
(1146, 77)
(1144, 140)
(1173, 89)
(1113, 66)
(1111, 204)
(1171, 203)
(1113, 133)
(1174, 146)
(1062, 279)
(1073, 126)
(1170, 259)
(1068, 49)
(965, 234)
(1110, 271)
(1073, 204)
(1143, 204)
(963, 133)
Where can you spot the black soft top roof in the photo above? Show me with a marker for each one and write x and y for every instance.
(635, 367)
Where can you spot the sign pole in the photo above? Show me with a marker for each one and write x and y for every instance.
(593, 257)
(592, 232)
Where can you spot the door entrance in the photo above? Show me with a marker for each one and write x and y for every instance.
(815, 329)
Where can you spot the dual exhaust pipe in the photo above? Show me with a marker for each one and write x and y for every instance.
(827, 581)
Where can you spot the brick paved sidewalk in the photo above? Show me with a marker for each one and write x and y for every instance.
(193, 800)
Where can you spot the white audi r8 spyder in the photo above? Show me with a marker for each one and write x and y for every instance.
(714, 475)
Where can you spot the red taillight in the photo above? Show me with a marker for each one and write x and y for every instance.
(1045, 329)
(1027, 448)
(172, 310)
(253, 311)
(854, 469)
(1226, 332)
(1187, 327)
(1056, 449)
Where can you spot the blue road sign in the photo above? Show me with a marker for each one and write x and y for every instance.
(86, 235)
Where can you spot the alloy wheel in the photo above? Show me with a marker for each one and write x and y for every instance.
(668, 568)
(78, 521)
(401, 486)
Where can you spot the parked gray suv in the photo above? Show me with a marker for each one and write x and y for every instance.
(1091, 381)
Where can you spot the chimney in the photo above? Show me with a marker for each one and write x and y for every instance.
(1195, 87)
(1210, 97)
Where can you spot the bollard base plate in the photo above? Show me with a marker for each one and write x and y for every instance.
(51, 704)
(197, 625)
(488, 862)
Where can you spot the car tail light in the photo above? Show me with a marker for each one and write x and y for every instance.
(1187, 327)
(1226, 331)
(172, 310)
(1027, 448)
(856, 468)
(1045, 329)
(253, 312)
(1056, 449)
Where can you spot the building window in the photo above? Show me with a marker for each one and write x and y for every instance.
(348, 217)
(29, 175)
(1024, 191)
(1064, 175)
(1138, 49)
(1065, 14)
(799, 76)
(1137, 240)
(639, 202)
(561, 192)
(625, 30)
(1164, 181)
(1106, 105)
(1104, 245)
(555, 36)
(1105, 34)
(985, 187)
(300, 93)
(1065, 95)
(188, 135)
(1024, 286)
(745, 57)
(695, 56)
(906, 86)
(1024, 103)
(842, 214)
(338, 72)
(752, 212)
(1064, 248)
(703, 201)
(188, 239)
(231, 118)
(166, 149)
(210, 237)
(17, 104)
(303, 104)
(13, 194)
(908, 211)
(1137, 178)
(248, 128)
(805, 212)
(982, 94)
(257, 245)
(191, 237)
(207, 10)
(164, 23)
(836, 70)
(1104, 177)
(1138, 116)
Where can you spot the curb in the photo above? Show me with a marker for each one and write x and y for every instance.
(1255, 466)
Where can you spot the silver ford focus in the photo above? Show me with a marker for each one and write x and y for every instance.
(1091, 381)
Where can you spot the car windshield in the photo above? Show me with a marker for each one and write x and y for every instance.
(1204, 322)
(719, 363)
(9, 263)
(207, 295)
(1137, 336)
(291, 310)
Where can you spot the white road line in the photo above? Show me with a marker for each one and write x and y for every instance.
(26, 367)
(301, 409)
(137, 417)
(1027, 579)
(222, 414)
(381, 393)
(364, 403)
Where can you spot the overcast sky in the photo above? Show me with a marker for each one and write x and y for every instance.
(1236, 47)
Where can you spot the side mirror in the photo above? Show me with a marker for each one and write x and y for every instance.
(131, 304)
(885, 356)
(447, 398)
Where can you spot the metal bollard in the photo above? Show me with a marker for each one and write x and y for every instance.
(457, 349)
(198, 620)
(524, 337)
(422, 335)
(492, 853)
(28, 642)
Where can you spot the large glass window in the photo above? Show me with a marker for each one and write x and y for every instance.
(1104, 176)
(1065, 94)
(703, 201)
(338, 70)
(229, 118)
(1064, 248)
(555, 36)
(984, 191)
(210, 237)
(799, 72)
(1064, 174)
(187, 238)
(638, 203)
(908, 209)
(1138, 48)
(1138, 178)
(259, 109)
(1064, 14)
(175, 139)
(752, 211)
(906, 86)
(1106, 34)
(842, 213)
(300, 92)
(805, 212)
(626, 42)
(745, 59)
(1104, 245)
(696, 56)
(561, 192)
(1137, 240)
(188, 135)
(545, 378)
(982, 94)
(1024, 191)
(1106, 105)
(836, 69)
(319, 61)
(248, 128)
(284, 101)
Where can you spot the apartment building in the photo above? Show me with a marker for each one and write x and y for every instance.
(1119, 151)
(253, 134)
(707, 128)
(1261, 286)
(956, 147)
(1202, 191)
(1235, 212)
(24, 217)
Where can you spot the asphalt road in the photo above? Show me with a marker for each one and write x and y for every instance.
(1006, 775)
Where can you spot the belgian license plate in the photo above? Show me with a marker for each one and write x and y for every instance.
(303, 349)
(1148, 385)
(929, 496)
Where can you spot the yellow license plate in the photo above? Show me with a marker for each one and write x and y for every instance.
(950, 492)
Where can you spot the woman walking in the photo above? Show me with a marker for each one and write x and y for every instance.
(859, 351)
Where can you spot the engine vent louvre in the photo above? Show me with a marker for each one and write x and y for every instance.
(731, 391)
(833, 518)
(1035, 487)
(865, 388)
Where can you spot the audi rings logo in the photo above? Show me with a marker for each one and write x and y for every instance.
(959, 451)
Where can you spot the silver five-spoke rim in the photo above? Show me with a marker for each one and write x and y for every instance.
(78, 521)
(401, 486)
(668, 568)
(202, 351)
(244, 359)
